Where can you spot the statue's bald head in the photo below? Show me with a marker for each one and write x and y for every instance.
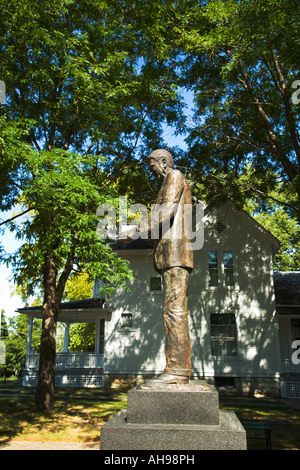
(161, 154)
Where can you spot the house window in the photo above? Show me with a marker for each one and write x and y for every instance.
(155, 283)
(223, 334)
(213, 268)
(220, 268)
(295, 325)
(228, 268)
(219, 227)
(126, 320)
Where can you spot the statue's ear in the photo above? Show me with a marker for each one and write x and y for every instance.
(164, 162)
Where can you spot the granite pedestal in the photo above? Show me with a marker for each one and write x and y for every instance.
(173, 417)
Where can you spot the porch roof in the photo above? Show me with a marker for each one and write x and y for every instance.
(136, 245)
(287, 292)
(78, 311)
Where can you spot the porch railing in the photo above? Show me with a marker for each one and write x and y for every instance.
(71, 360)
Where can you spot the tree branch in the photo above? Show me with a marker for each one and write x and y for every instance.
(288, 110)
(275, 141)
(66, 272)
(15, 216)
(247, 186)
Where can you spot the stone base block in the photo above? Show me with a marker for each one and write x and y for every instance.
(119, 434)
(196, 403)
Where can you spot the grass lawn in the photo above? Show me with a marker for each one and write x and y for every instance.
(80, 413)
(283, 421)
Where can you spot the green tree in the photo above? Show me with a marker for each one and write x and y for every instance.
(241, 62)
(3, 325)
(284, 227)
(91, 97)
(82, 335)
(79, 286)
(16, 341)
(60, 233)
(12, 151)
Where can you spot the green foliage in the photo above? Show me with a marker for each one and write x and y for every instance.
(87, 75)
(78, 287)
(86, 95)
(16, 342)
(82, 337)
(3, 325)
(83, 78)
(241, 62)
(12, 151)
(63, 195)
(281, 225)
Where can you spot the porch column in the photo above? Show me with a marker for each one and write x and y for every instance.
(97, 338)
(66, 337)
(99, 348)
(29, 338)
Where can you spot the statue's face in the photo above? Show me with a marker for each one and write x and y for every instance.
(157, 167)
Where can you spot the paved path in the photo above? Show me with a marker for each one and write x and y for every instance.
(29, 445)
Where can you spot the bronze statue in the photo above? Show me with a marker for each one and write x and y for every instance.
(173, 258)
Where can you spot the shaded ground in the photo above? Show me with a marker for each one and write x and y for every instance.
(281, 416)
(29, 445)
(77, 418)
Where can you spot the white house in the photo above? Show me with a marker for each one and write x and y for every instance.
(239, 337)
(287, 292)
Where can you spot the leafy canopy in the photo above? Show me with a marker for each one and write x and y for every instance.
(63, 193)
(241, 61)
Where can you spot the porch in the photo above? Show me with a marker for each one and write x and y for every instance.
(290, 379)
(82, 369)
(72, 369)
(70, 360)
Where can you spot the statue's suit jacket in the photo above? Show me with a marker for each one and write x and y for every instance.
(173, 248)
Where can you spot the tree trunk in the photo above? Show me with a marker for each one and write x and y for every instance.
(44, 400)
(53, 292)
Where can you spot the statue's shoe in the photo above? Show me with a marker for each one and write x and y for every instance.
(166, 379)
(171, 379)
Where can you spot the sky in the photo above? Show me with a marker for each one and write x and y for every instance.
(8, 303)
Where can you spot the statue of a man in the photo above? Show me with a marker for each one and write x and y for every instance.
(173, 259)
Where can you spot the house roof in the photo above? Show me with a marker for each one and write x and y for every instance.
(85, 310)
(74, 305)
(139, 244)
(287, 292)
